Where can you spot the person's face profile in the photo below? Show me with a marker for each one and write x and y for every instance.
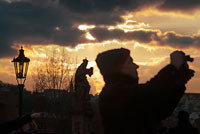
(130, 68)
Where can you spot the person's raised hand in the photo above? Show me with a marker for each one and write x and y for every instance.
(36, 115)
(177, 58)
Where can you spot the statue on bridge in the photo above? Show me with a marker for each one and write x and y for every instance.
(82, 86)
(82, 110)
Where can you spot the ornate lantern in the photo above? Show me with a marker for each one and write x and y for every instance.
(21, 67)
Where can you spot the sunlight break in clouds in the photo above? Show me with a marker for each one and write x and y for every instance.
(86, 27)
(89, 36)
(132, 25)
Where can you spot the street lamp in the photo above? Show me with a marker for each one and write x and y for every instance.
(21, 67)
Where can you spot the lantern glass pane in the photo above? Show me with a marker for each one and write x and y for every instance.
(25, 68)
(21, 69)
(16, 70)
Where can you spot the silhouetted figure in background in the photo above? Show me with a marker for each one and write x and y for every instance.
(127, 107)
(9, 126)
(184, 126)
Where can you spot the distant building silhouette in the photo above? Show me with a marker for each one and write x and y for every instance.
(36, 102)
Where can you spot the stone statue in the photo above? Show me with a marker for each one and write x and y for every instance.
(82, 86)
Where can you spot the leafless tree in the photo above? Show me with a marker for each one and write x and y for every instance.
(55, 73)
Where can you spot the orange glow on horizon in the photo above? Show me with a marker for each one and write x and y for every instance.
(153, 11)
(142, 54)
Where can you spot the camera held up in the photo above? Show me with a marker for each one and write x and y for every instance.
(188, 58)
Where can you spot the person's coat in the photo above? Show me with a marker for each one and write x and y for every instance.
(127, 107)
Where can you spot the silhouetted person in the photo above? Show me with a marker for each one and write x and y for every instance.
(127, 107)
(9, 126)
(184, 126)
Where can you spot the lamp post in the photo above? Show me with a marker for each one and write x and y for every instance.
(21, 67)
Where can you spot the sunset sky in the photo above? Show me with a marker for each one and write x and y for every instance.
(151, 29)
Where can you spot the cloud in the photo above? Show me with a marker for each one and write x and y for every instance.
(143, 36)
(88, 6)
(55, 22)
(180, 5)
(176, 40)
(24, 22)
(51, 21)
(148, 36)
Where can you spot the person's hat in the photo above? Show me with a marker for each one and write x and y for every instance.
(111, 61)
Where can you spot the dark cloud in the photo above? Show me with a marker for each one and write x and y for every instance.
(107, 12)
(88, 6)
(100, 18)
(56, 21)
(102, 34)
(167, 39)
(180, 5)
(177, 40)
(24, 22)
(48, 21)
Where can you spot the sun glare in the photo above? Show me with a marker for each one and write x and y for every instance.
(89, 36)
(86, 27)
(91, 64)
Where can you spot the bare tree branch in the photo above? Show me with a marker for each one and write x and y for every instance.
(56, 73)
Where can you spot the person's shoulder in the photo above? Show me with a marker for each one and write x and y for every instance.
(195, 130)
(174, 130)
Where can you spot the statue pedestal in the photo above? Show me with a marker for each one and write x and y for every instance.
(81, 115)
